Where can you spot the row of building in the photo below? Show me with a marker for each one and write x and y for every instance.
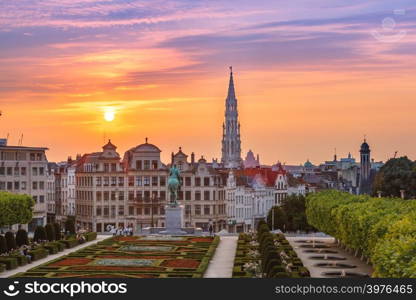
(103, 188)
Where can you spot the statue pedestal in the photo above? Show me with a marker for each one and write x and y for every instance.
(174, 217)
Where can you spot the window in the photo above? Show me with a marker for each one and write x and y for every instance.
(162, 181)
(98, 181)
(162, 195)
(9, 185)
(154, 180)
(23, 185)
(41, 171)
(113, 167)
(131, 195)
(106, 168)
(147, 210)
(106, 211)
(147, 164)
(121, 181)
(131, 180)
(146, 195)
(98, 211)
(188, 195)
(138, 164)
(120, 196)
(207, 195)
(197, 210)
(106, 196)
(113, 181)
(154, 164)
(2, 185)
(16, 185)
(23, 171)
(9, 171)
(206, 210)
(35, 185)
(2, 170)
(41, 185)
(197, 181)
(113, 195)
(146, 181)
(139, 211)
(106, 181)
(32, 156)
(98, 196)
(197, 195)
(121, 210)
(206, 181)
(16, 171)
(187, 181)
(180, 195)
(35, 198)
(187, 210)
(139, 181)
(139, 195)
(131, 210)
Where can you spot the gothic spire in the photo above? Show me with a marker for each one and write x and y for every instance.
(231, 91)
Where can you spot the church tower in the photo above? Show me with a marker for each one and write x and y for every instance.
(231, 144)
(365, 168)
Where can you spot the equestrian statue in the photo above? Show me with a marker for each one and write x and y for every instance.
(174, 185)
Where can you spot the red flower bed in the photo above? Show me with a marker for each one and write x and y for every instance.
(115, 268)
(71, 261)
(126, 238)
(202, 240)
(181, 263)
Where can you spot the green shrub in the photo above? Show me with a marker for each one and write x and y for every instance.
(70, 226)
(57, 229)
(38, 253)
(2, 267)
(10, 262)
(21, 238)
(3, 245)
(50, 232)
(21, 259)
(70, 243)
(90, 236)
(10, 241)
(51, 247)
(40, 234)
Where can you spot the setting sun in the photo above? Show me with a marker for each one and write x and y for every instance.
(109, 115)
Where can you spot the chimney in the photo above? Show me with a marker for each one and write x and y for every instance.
(192, 158)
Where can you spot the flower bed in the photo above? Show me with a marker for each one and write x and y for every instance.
(134, 257)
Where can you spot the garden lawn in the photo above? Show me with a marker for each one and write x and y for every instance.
(134, 257)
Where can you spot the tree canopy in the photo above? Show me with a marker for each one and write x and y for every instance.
(15, 209)
(397, 174)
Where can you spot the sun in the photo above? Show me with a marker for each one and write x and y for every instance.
(109, 115)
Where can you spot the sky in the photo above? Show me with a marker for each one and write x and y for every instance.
(310, 76)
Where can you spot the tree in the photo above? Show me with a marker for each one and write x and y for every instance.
(40, 234)
(279, 220)
(50, 232)
(21, 238)
(15, 209)
(10, 241)
(70, 226)
(397, 174)
(3, 245)
(57, 229)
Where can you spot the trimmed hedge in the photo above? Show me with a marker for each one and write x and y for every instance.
(2, 267)
(10, 241)
(21, 259)
(90, 236)
(50, 232)
(10, 262)
(38, 253)
(70, 243)
(22, 238)
(40, 234)
(381, 229)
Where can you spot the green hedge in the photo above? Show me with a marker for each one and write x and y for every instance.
(90, 236)
(70, 243)
(2, 267)
(382, 229)
(38, 253)
(21, 259)
(10, 262)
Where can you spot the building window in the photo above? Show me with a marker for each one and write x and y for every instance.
(41, 171)
(197, 210)
(106, 196)
(16, 185)
(41, 185)
(206, 210)
(207, 195)
(98, 210)
(146, 181)
(23, 185)
(147, 210)
(113, 167)
(113, 195)
(162, 195)
(188, 195)
(139, 181)
(138, 164)
(131, 210)
(180, 195)
(34, 185)
(197, 181)
(98, 196)
(121, 181)
(9, 185)
(121, 210)
(106, 181)
(131, 195)
(113, 181)
(197, 195)
(98, 181)
(2, 171)
(187, 181)
(106, 211)
(154, 180)
(206, 181)
(187, 210)
(131, 180)
(162, 181)
(147, 164)
(120, 196)
(154, 164)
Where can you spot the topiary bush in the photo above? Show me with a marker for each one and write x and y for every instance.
(50, 232)
(21, 238)
(10, 241)
(70, 226)
(40, 234)
(57, 229)
(3, 245)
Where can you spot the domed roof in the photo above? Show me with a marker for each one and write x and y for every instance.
(365, 146)
(146, 147)
(308, 164)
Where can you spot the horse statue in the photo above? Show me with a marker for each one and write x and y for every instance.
(174, 185)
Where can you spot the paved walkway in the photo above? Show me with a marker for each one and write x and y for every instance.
(51, 257)
(221, 265)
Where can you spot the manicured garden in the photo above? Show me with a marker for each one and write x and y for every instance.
(134, 257)
(266, 255)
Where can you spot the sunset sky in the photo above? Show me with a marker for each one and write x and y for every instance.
(310, 76)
